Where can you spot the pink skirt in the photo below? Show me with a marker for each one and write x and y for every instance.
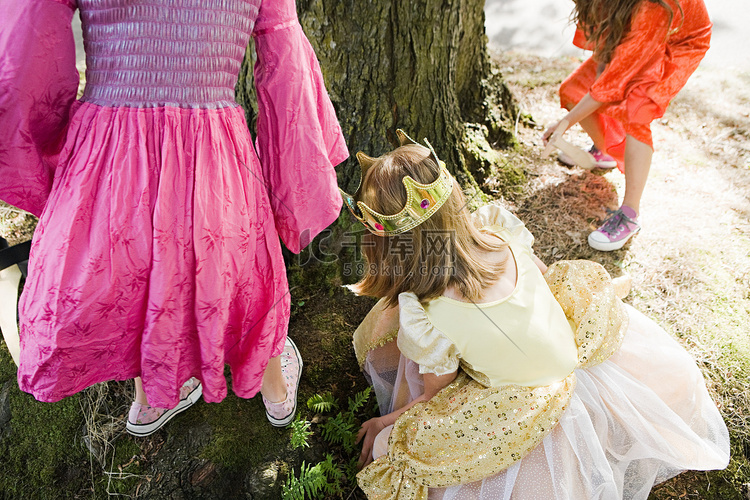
(156, 256)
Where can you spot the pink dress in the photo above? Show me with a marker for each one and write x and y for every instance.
(157, 251)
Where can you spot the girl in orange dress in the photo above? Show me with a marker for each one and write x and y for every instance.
(644, 51)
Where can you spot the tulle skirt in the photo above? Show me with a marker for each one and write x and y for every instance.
(634, 421)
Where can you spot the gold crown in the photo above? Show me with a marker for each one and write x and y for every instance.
(422, 200)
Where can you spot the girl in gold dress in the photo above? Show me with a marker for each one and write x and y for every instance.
(500, 378)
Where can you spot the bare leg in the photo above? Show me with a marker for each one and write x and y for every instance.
(637, 161)
(590, 125)
(637, 165)
(140, 395)
(274, 387)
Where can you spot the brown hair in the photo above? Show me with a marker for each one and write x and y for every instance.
(445, 250)
(606, 22)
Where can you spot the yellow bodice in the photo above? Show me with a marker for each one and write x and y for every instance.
(512, 390)
(523, 339)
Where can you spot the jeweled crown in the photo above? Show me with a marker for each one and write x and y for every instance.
(422, 200)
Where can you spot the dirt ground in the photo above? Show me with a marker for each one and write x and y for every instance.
(690, 265)
(690, 268)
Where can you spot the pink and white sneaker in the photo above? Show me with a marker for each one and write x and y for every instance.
(603, 161)
(282, 413)
(144, 419)
(616, 230)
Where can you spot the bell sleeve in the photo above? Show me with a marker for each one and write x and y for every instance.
(38, 84)
(579, 39)
(421, 342)
(299, 138)
(494, 218)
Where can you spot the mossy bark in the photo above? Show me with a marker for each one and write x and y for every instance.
(421, 66)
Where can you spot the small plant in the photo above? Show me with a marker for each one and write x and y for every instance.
(359, 400)
(322, 403)
(342, 429)
(334, 477)
(323, 480)
(328, 478)
(351, 468)
(300, 433)
(310, 483)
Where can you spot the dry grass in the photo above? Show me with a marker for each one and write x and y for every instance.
(691, 263)
(102, 423)
(104, 407)
(16, 226)
(690, 266)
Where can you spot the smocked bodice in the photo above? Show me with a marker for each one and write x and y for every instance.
(147, 53)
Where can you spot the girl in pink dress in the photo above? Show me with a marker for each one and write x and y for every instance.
(157, 253)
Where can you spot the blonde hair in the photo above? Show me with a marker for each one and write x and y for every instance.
(445, 250)
(606, 22)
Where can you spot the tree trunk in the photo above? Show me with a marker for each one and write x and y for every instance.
(421, 66)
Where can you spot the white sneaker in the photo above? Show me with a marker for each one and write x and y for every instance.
(144, 419)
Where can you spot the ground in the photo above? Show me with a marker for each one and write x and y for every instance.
(690, 268)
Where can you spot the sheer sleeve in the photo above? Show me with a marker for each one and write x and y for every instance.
(299, 138)
(421, 342)
(497, 219)
(38, 84)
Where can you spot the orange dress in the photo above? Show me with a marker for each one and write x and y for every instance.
(652, 63)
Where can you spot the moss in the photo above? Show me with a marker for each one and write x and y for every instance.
(125, 452)
(240, 439)
(327, 320)
(488, 166)
(7, 367)
(317, 375)
(16, 226)
(125, 470)
(42, 453)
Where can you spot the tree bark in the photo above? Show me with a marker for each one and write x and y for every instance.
(420, 65)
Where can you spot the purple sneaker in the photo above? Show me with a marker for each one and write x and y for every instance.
(603, 161)
(281, 413)
(616, 230)
(144, 419)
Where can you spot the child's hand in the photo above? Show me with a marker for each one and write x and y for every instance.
(552, 137)
(368, 431)
(553, 128)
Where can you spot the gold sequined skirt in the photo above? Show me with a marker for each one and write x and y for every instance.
(475, 442)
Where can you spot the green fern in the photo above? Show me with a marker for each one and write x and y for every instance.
(340, 430)
(359, 400)
(334, 475)
(322, 403)
(310, 483)
(326, 479)
(351, 468)
(300, 433)
(292, 489)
